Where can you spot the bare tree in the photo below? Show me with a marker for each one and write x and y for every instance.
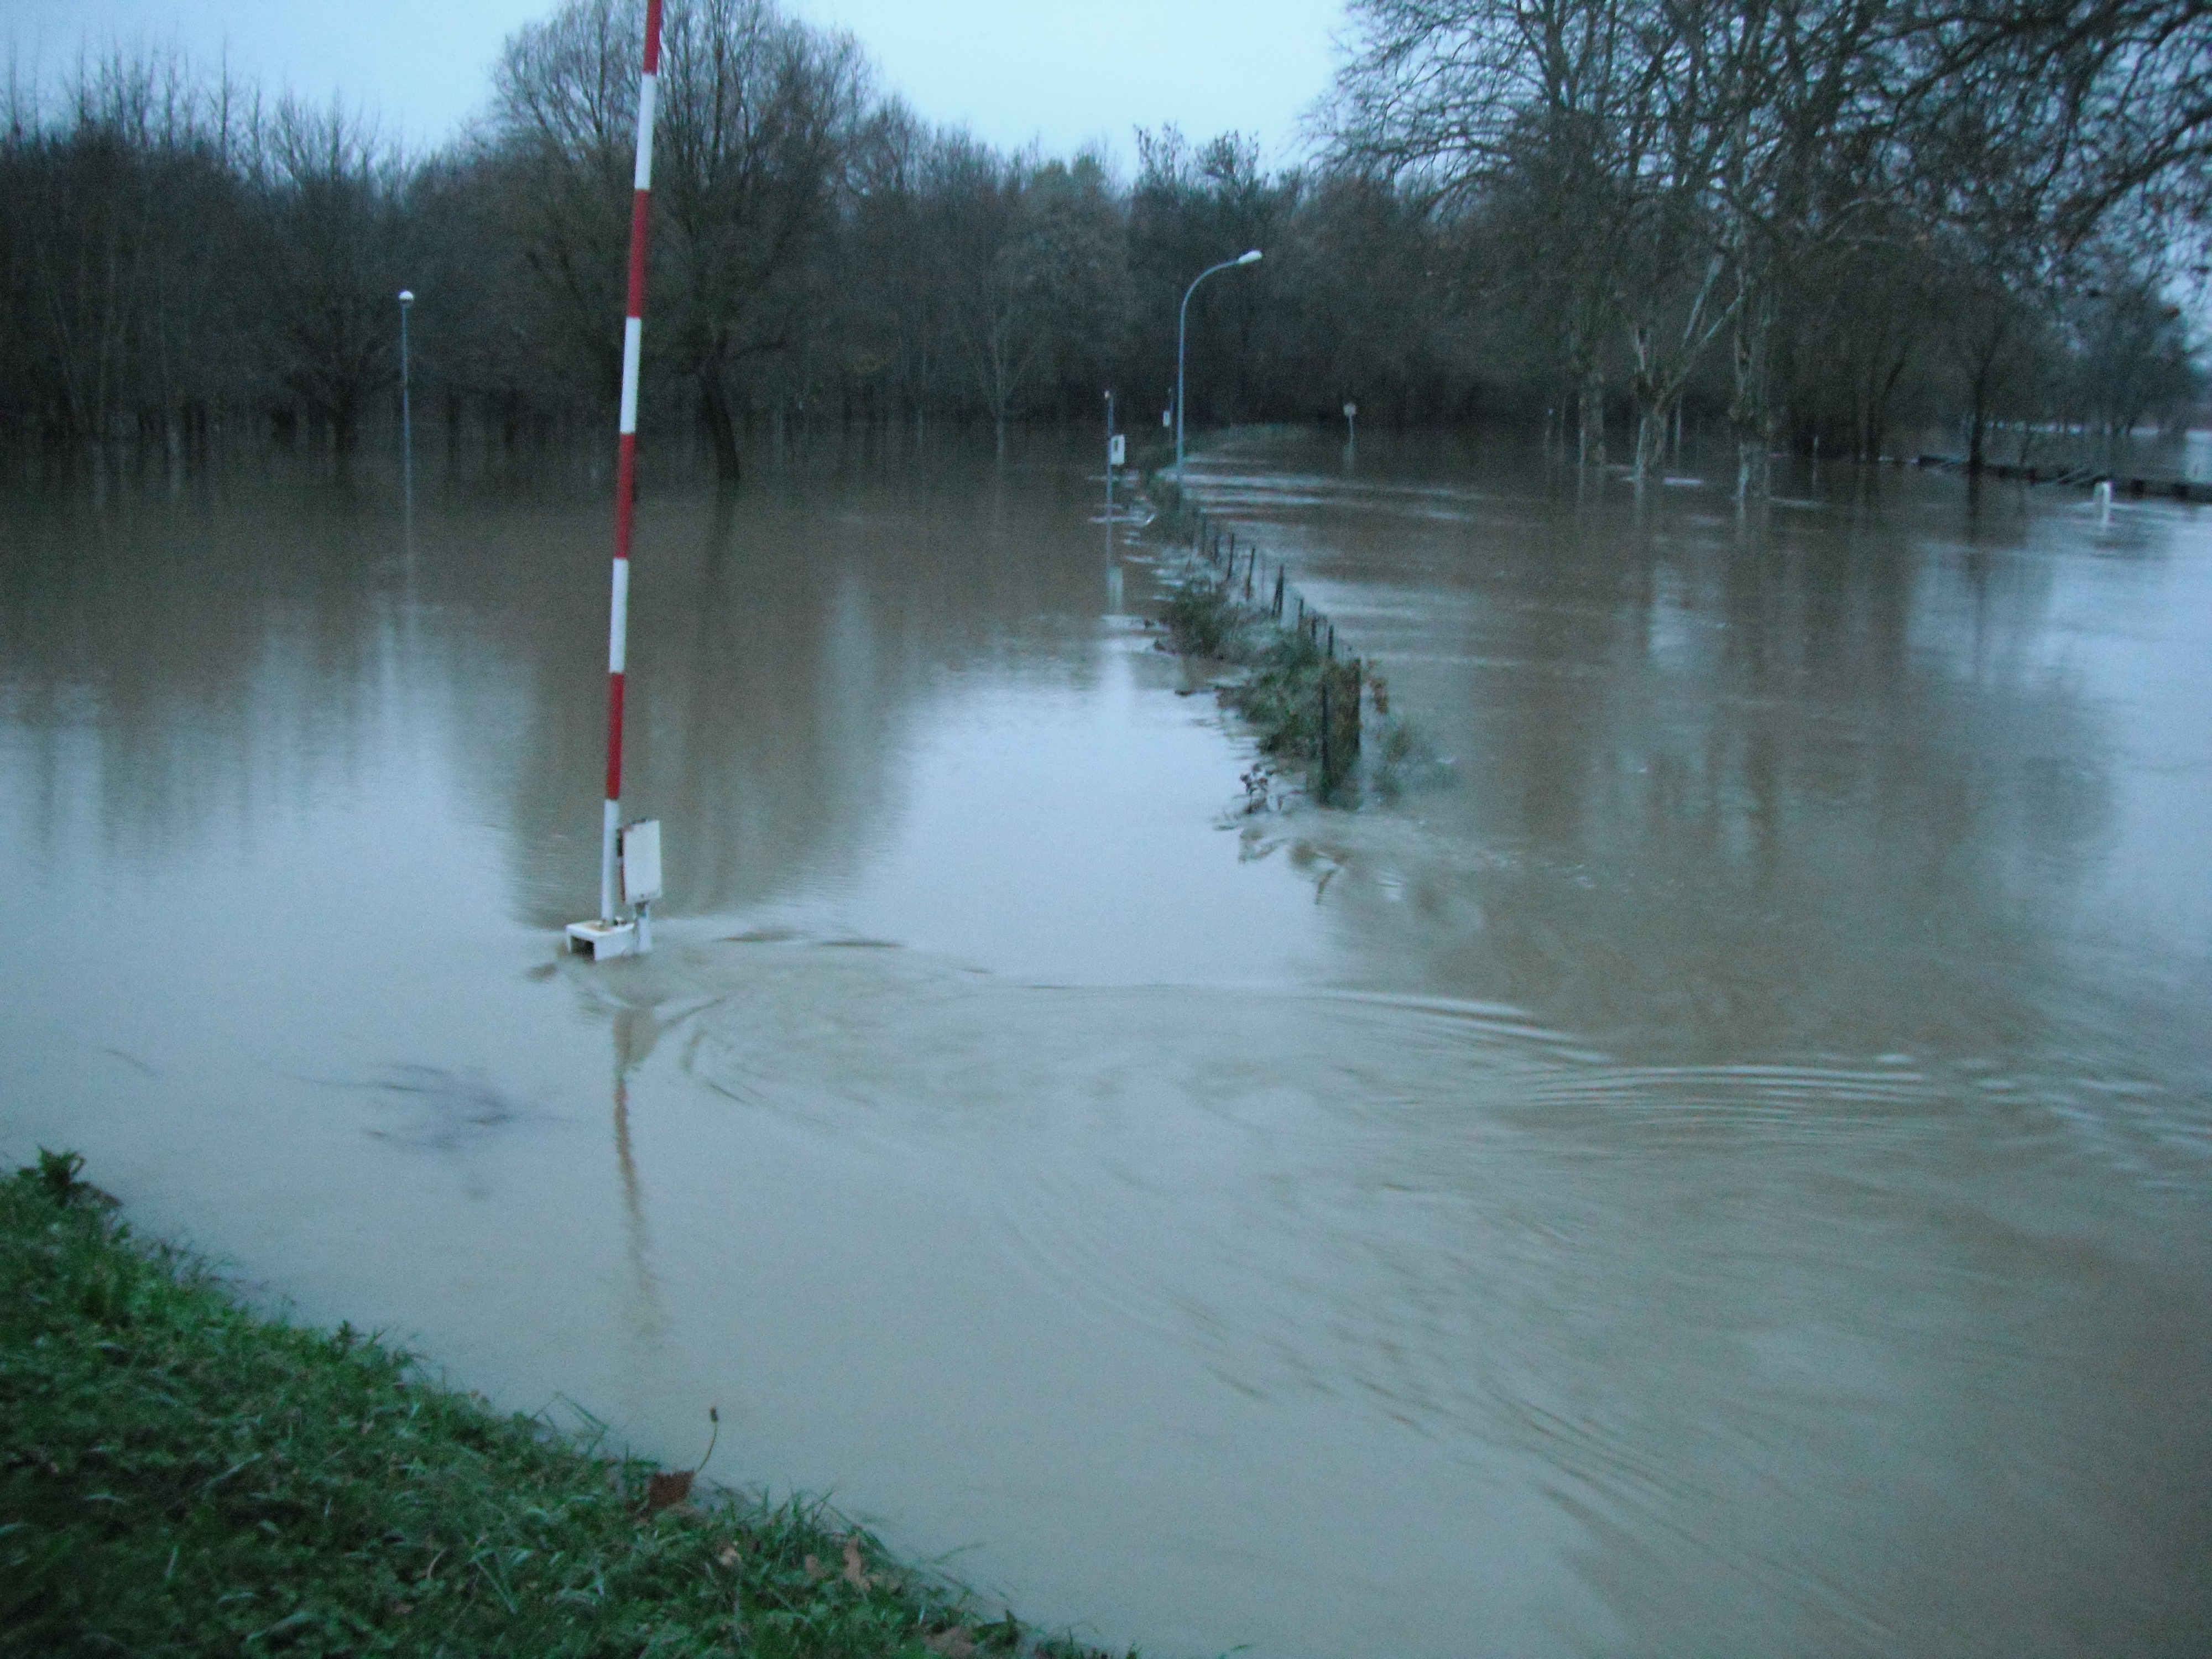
(2110, 99)
(2129, 352)
(760, 120)
(888, 313)
(1035, 264)
(335, 261)
(1679, 166)
(1812, 218)
(757, 115)
(563, 146)
(128, 225)
(1541, 107)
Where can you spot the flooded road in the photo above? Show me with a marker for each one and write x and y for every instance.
(1720, 1164)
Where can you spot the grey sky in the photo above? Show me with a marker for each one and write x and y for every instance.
(1012, 70)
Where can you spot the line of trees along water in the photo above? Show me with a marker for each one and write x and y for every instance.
(1811, 220)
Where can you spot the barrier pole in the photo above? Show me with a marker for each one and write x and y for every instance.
(641, 219)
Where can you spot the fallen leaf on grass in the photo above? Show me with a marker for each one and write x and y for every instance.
(815, 1570)
(729, 1555)
(856, 1570)
(954, 1644)
(666, 1489)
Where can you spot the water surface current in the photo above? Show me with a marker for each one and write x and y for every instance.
(1718, 1160)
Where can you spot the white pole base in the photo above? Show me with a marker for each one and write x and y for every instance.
(602, 941)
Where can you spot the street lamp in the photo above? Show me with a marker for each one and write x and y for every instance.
(1182, 322)
(1110, 459)
(406, 412)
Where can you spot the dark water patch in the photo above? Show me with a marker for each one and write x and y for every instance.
(435, 1110)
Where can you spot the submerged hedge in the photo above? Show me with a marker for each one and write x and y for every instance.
(181, 1476)
(1303, 703)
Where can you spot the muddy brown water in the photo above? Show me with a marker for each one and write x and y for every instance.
(1719, 1164)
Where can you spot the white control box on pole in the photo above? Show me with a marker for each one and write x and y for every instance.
(639, 843)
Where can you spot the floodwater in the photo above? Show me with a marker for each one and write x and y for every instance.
(1718, 1163)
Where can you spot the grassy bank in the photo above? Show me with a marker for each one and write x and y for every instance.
(181, 1476)
(1325, 718)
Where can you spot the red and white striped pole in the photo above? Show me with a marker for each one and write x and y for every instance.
(640, 224)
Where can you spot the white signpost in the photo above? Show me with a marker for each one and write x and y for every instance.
(1113, 461)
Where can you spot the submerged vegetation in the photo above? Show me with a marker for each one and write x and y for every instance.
(181, 1476)
(1325, 718)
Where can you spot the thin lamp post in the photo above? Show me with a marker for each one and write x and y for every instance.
(406, 409)
(1183, 324)
(1109, 476)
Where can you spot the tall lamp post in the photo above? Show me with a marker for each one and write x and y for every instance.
(406, 412)
(1110, 459)
(1183, 324)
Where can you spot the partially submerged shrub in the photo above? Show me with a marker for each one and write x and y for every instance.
(1292, 679)
(1202, 619)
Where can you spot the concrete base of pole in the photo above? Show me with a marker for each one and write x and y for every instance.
(603, 941)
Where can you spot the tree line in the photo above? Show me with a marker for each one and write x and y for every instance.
(1810, 221)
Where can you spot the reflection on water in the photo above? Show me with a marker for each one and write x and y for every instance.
(1846, 778)
(1723, 1168)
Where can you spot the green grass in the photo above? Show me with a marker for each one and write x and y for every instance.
(181, 1476)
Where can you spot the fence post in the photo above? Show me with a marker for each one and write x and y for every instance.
(1328, 783)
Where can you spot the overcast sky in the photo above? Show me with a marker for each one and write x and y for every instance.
(1011, 71)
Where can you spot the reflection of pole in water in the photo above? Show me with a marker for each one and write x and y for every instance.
(636, 1032)
(638, 1029)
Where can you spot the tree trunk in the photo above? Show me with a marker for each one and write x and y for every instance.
(1651, 420)
(1753, 417)
(345, 423)
(1590, 409)
(1649, 399)
(721, 426)
(1977, 414)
